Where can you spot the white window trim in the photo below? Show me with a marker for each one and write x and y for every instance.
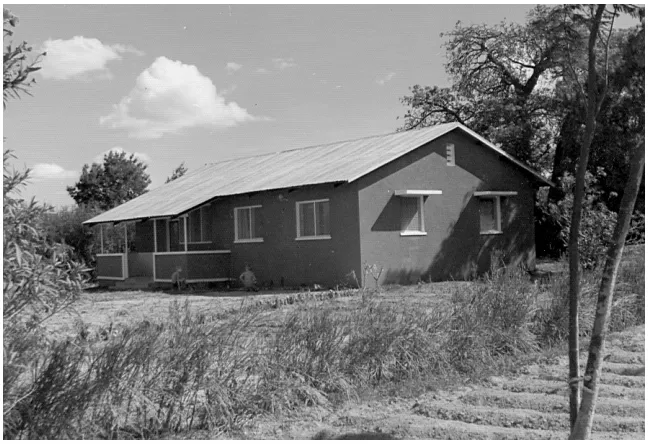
(316, 237)
(498, 214)
(253, 240)
(421, 215)
(416, 193)
(450, 154)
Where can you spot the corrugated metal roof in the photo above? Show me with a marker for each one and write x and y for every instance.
(331, 163)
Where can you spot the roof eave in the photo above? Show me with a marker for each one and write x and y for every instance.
(91, 222)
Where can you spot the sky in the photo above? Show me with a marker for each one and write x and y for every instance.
(203, 83)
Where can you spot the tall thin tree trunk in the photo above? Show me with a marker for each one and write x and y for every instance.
(565, 147)
(579, 192)
(583, 426)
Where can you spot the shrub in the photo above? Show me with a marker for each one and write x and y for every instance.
(637, 233)
(65, 226)
(551, 322)
(146, 380)
(39, 279)
(393, 344)
(492, 319)
(596, 228)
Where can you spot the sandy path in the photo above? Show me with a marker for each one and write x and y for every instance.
(533, 405)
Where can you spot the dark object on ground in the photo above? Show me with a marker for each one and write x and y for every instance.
(328, 435)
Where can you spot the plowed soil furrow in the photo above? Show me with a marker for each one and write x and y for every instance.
(624, 357)
(547, 403)
(525, 418)
(607, 378)
(531, 405)
(624, 369)
(444, 429)
(561, 388)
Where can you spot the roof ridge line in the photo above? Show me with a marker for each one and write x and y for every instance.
(327, 144)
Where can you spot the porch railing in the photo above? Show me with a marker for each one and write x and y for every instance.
(112, 266)
(196, 266)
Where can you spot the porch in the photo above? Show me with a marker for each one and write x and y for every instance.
(141, 269)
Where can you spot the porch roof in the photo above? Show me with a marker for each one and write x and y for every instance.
(331, 163)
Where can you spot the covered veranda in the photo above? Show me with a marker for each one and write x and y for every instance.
(156, 261)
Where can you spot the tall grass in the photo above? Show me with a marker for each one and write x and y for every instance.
(188, 372)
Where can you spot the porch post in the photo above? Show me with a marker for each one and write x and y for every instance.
(101, 237)
(125, 263)
(155, 235)
(168, 236)
(185, 232)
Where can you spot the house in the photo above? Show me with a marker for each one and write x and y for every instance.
(427, 204)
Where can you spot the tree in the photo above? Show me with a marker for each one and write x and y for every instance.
(593, 100)
(600, 23)
(178, 172)
(597, 84)
(582, 428)
(503, 79)
(39, 279)
(104, 186)
(518, 86)
(15, 79)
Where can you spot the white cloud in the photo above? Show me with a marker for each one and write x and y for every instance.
(261, 70)
(170, 96)
(381, 81)
(282, 64)
(232, 67)
(79, 55)
(42, 171)
(117, 149)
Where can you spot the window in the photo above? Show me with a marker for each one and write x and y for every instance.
(490, 215)
(412, 220)
(313, 220)
(450, 154)
(198, 226)
(247, 224)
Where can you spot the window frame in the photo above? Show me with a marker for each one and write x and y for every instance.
(202, 240)
(497, 199)
(253, 240)
(420, 211)
(316, 236)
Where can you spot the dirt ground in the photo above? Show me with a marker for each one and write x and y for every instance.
(532, 405)
(98, 308)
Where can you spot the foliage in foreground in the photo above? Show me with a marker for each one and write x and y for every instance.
(188, 373)
(39, 279)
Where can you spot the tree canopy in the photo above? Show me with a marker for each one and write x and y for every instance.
(16, 68)
(118, 179)
(520, 85)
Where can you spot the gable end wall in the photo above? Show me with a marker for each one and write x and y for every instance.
(453, 247)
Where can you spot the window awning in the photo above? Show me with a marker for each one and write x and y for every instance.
(415, 193)
(495, 193)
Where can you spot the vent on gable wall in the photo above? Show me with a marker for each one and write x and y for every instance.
(450, 154)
